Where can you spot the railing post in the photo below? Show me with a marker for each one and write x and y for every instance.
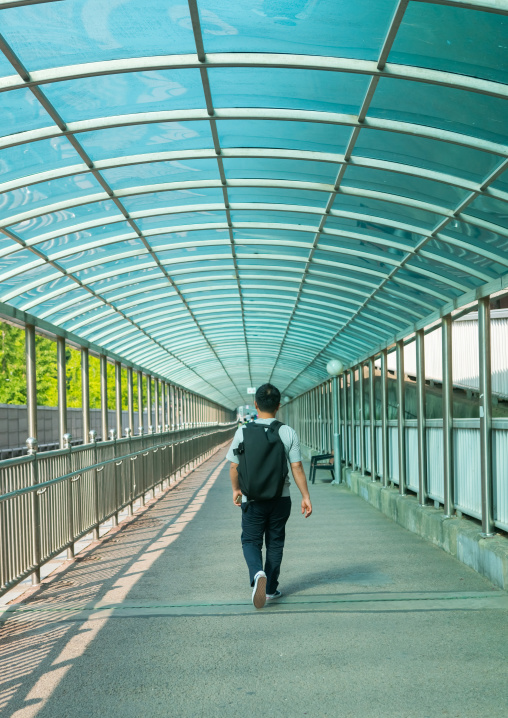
(384, 418)
(361, 401)
(93, 440)
(401, 417)
(130, 510)
(372, 412)
(130, 401)
(447, 398)
(421, 418)
(149, 402)
(345, 442)
(353, 428)
(488, 525)
(104, 396)
(335, 367)
(61, 389)
(112, 437)
(157, 404)
(31, 445)
(70, 500)
(31, 381)
(163, 406)
(85, 393)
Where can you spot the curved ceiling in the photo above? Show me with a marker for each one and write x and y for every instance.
(230, 193)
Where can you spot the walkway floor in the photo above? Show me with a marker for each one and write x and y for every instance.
(156, 621)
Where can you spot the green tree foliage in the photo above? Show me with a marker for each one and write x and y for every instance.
(12, 365)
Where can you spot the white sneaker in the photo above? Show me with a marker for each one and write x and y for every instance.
(259, 590)
(273, 596)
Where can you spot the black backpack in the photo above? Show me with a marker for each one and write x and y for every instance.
(263, 466)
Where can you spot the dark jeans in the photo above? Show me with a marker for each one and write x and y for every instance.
(268, 519)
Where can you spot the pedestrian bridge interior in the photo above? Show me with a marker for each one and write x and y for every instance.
(213, 195)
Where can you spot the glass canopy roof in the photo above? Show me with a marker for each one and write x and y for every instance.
(227, 193)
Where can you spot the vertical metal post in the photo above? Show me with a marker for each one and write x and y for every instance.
(157, 404)
(337, 463)
(163, 405)
(384, 417)
(488, 526)
(104, 396)
(85, 394)
(353, 428)
(31, 381)
(345, 443)
(447, 393)
(361, 399)
(31, 444)
(130, 399)
(401, 416)
(149, 402)
(372, 412)
(421, 417)
(118, 398)
(172, 406)
(61, 389)
(140, 402)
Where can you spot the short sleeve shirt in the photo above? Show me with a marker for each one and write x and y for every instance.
(289, 438)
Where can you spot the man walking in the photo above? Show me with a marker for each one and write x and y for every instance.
(265, 499)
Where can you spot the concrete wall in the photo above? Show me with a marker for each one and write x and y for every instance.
(14, 424)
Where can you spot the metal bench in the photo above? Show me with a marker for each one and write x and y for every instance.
(316, 466)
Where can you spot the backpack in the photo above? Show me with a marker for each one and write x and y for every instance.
(263, 466)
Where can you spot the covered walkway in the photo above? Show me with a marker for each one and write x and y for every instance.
(156, 620)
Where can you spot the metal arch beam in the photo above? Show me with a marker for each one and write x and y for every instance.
(500, 7)
(259, 60)
(239, 153)
(4, 4)
(250, 113)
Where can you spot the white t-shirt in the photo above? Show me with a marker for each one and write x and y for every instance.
(289, 438)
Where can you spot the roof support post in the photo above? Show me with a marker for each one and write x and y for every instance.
(421, 417)
(361, 412)
(85, 394)
(31, 381)
(156, 385)
(62, 390)
(172, 406)
(337, 452)
(163, 406)
(372, 417)
(149, 402)
(345, 442)
(118, 399)
(488, 526)
(384, 418)
(104, 396)
(448, 468)
(353, 427)
(140, 402)
(130, 399)
(401, 417)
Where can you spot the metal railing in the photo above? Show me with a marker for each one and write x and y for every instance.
(48, 501)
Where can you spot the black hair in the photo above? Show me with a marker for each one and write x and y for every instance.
(268, 398)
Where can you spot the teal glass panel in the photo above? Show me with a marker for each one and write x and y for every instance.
(315, 90)
(149, 138)
(113, 268)
(128, 93)
(465, 258)
(322, 27)
(411, 310)
(175, 198)
(477, 239)
(20, 282)
(269, 234)
(311, 220)
(60, 222)
(277, 251)
(453, 40)
(43, 194)
(200, 264)
(261, 265)
(357, 262)
(384, 232)
(294, 170)
(418, 188)
(360, 248)
(162, 172)
(386, 210)
(278, 195)
(489, 209)
(36, 296)
(42, 156)
(501, 183)
(18, 260)
(428, 154)
(21, 111)
(438, 283)
(467, 113)
(309, 136)
(104, 253)
(149, 224)
(178, 255)
(79, 297)
(395, 291)
(79, 241)
(65, 33)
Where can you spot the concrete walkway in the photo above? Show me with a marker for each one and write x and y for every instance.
(156, 621)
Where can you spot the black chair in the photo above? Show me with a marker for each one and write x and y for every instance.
(315, 466)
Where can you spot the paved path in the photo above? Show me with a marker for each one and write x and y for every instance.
(156, 621)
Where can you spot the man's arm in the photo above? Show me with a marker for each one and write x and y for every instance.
(233, 475)
(301, 482)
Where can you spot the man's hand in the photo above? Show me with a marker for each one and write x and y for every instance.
(306, 507)
(237, 497)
